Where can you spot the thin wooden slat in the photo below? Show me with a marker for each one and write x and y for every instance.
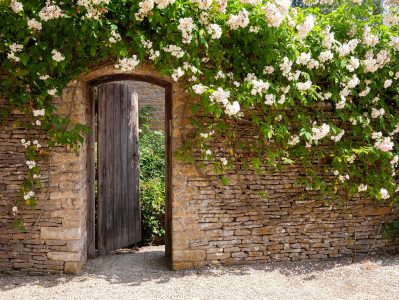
(125, 164)
(101, 214)
(116, 158)
(109, 92)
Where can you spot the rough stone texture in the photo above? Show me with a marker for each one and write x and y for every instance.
(212, 223)
(60, 216)
(238, 225)
(21, 252)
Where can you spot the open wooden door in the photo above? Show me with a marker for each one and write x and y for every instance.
(118, 203)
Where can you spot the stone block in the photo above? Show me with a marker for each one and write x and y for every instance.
(217, 256)
(23, 265)
(239, 254)
(65, 256)
(262, 230)
(188, 255)
(63, 195)
(242, 232)
(179, 243)
(57, 233)
(77, 245)
(72, 267)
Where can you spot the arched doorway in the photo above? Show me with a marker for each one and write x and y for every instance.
(122, 197)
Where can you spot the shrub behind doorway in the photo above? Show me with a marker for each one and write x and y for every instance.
(152, 179)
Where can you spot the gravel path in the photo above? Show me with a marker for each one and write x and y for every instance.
(144, 275)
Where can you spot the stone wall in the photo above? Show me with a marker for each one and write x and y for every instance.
(239, 224)
(55, 235)
(254, 218)
(19, 251)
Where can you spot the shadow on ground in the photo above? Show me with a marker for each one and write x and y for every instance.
(133, 267)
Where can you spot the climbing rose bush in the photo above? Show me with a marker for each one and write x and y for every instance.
(316, 88)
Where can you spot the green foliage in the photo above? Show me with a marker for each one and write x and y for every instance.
(392, 229)
(297, 116)
(146, 114)
(18, 225)
(152, 199)
(152, 178)
(376, 4)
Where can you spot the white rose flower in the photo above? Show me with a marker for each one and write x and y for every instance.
(127, 64)
(39, 112)
(362, 187)
(232, 109)
(387, 83)
(215, 31)
(52, 92)
(34, 25)
(199, 89)
(50, 12)
(203, 4)
(16, 6)
(57, 56)
(238, 21)
(384, 194)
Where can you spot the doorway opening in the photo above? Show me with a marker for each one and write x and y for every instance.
(130, 192)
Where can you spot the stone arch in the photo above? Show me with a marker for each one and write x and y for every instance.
(75, 200)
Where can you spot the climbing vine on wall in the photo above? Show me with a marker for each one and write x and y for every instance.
(316, 86)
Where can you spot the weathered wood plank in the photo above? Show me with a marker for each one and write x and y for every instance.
(117, 153)
(125, 163)
(109, 192)
(101, 207)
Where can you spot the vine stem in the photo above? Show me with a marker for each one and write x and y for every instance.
(354, 234)
(46, 199)
(375, 239)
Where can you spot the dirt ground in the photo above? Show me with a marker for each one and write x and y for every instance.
(144, 274)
